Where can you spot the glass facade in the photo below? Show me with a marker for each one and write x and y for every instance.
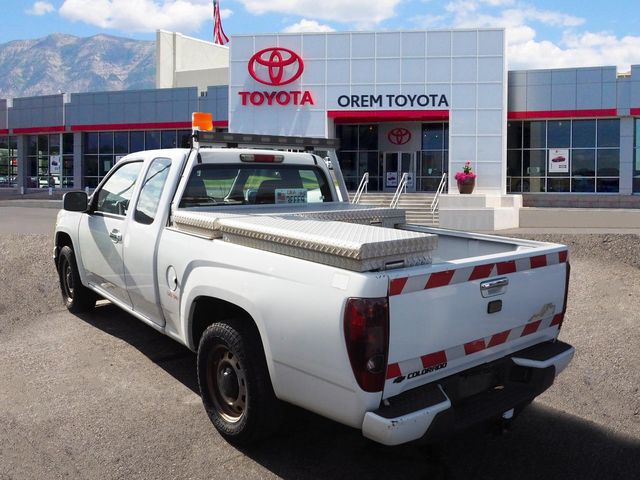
(101, 150)
(8, 161)
(359, 154)
(636, 157)
(433, 159)
(593, 148)
(49, 160)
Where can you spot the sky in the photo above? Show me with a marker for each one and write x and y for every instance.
(540, 33)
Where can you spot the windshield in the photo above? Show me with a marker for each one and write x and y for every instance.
(255, 185)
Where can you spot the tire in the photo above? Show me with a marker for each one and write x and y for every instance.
(76, 297)
(234, 383)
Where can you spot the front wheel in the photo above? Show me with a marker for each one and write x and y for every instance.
(76, 297)
(234, 382)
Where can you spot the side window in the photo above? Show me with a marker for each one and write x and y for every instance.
(152, 188)
(115, 194)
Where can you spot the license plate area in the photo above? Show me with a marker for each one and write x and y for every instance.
(478, 380)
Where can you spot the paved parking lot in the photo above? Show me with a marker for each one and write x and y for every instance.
(103, 396)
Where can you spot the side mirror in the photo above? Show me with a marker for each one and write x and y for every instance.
(75, 202)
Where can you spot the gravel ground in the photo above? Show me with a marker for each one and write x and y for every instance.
(103, 396)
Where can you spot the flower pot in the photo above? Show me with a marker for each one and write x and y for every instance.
(467, 185)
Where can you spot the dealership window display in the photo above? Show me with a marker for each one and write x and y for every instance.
(558, 156)
(101, 150)
(50, 160)
(8, 161)
(434, 157)
(359, 154)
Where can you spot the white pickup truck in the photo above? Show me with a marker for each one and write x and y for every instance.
(254, 259)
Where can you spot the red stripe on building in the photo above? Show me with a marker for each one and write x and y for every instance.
(26, 131)
(347, 116)
(4, 131)
(538, 261)
(506, 267)
(396, 286)
(538, 114)
(498, 338)
(475, 346)
(481, 271)
(562, 256)
(142, 126)
(433, 359)
(531, 328)
(393, 370)
(440, 279)
(635, 112)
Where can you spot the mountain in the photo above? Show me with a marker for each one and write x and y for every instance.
(65, 63)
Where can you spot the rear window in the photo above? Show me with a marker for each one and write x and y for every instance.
(255, 185)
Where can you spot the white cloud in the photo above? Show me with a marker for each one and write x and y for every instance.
(361, 12)
(40, 8)
(141, 15)
(525, 49)
(577, 50)
(305, 25)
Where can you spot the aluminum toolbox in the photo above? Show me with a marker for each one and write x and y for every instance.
(345, 245)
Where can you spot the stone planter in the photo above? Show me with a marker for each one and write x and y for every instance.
(467, 185)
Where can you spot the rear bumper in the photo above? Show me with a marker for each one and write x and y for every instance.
(437, 410)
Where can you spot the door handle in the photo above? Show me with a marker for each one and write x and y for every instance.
(115, 235)
(494, 287)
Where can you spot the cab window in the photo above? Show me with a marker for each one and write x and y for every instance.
(151, 191)
(211, 184)
(115, 194)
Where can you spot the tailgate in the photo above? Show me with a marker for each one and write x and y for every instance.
(440, 319)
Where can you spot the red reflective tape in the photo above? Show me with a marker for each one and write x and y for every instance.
(396, 286)
(481, 271)
(499, 338)
(440, 279)
(506, 267)
(475, 346)
(434, 359)
(562, 256)
(531, 328)
(538, 261)
(557, 319)
(393, 370)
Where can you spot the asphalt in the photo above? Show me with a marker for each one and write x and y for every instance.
(102, 396)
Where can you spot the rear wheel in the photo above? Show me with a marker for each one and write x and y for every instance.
(234, 382)
(76, 297)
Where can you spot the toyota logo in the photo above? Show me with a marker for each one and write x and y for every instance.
(276, 66)
(399, 136)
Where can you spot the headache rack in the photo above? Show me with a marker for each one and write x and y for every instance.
(247, 140)
(325, 148)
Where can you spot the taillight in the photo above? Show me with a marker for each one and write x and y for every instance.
(261, 158)
(366, 330)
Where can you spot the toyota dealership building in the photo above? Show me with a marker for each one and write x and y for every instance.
(415, 102)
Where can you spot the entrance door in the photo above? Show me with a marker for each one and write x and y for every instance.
(395, 164)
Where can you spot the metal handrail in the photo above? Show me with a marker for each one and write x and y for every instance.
(436, 198)
(361, 188)
(401, 186)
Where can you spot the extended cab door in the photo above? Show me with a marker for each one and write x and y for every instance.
(149, 217)
(103, 230)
